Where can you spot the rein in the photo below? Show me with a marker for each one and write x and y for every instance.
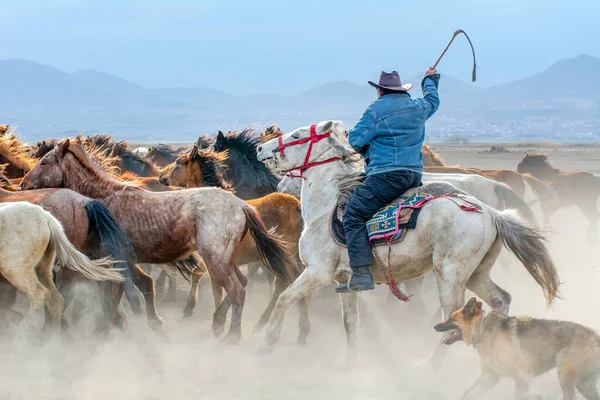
(313, 138)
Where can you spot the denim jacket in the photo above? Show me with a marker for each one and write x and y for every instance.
(391, 131)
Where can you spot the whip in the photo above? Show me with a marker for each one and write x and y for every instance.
(456, 33)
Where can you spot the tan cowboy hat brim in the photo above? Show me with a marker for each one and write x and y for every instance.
(404, 88)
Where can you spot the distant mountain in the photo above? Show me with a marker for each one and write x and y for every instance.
(106, 81)
(562, 102)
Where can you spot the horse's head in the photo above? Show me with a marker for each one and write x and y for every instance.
(301, 146)
(533, 163)
(196, 168)
(48, 173)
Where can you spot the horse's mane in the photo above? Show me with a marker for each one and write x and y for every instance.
(212, 165)
(44, 147)
(105, 144)
(4, 129)
(96, 161)
(270, 133)
(430, 157)
(16, 152)
(538, 160)
(245, 143)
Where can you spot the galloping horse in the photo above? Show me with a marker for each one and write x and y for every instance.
(169, 226)
(461, 247)
(31, 240)
(280, 212)
(92, 229)
(576, 188)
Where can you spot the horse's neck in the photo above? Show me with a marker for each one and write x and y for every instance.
(92, 185)
(547, 173)
(319, 194)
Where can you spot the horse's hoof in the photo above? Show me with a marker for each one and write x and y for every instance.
(218, 329)
(346, 363)
(155, 323)
(231, 339)
(301, 341)
(187, 313)
(264, 350)
(258, 328)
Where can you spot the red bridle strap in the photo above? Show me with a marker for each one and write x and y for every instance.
(313, 138)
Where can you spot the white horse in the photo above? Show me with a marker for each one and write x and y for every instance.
(461, 247)
(31, 241)
(494, 194)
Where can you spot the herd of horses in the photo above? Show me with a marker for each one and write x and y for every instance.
(223, 202)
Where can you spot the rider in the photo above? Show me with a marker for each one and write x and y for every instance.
(389, 136)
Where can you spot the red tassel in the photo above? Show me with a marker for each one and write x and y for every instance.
(398, 293)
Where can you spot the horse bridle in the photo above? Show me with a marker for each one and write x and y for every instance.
(312, 139)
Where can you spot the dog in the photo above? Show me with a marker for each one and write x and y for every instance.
(522, 348)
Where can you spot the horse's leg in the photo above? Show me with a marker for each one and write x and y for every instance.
(482, 285)
(350, 316)
(306, 283)
(160, 283)
(235, 329)
(145, 284)
(303, 321)
(172, 291)
(55, 303)
(192, 299)
(26, 281)
(222, 305)
(451, 285)
(264, 318)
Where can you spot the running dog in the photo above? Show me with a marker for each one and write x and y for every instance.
(522, 348)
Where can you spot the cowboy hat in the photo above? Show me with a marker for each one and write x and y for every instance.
(391, 81)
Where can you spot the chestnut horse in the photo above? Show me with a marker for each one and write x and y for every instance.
(15, 155)
(577, 188)
(170, 226)
(279, 211)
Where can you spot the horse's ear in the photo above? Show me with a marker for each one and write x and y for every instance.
(327, 126)
(220, 136)
(194, 152)
(62, 148)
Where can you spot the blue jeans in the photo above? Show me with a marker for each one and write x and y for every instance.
(376, 192)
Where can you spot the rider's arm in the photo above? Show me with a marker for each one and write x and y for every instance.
(363, 132)
(430, 93)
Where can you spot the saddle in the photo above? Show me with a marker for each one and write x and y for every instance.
(390, 224)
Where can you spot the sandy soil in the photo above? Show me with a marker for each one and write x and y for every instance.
(186, 362)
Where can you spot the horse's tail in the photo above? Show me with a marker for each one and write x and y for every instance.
(528, 245)
(272, 249)
(116, 244)
(512, 200)
(67, 255)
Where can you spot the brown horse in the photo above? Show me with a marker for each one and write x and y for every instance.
(92, 229)
(279, 211)
(431, 158)
(15, 155)
(170, 226)
(163, 155)
(577, 188)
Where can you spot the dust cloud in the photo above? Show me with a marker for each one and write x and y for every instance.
(185, 361)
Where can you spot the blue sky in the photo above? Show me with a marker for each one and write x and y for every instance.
(265, 46)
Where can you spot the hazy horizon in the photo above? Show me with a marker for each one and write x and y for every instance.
(268, 47)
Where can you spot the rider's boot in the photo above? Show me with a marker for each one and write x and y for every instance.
(360, 280)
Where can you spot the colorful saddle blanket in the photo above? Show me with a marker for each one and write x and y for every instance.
(388, 225)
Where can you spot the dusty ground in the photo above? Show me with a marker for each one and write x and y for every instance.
(186, 362)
